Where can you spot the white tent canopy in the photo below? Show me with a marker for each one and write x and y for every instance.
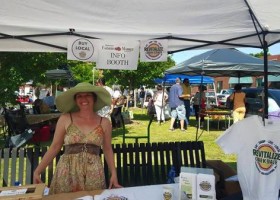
(44, 26)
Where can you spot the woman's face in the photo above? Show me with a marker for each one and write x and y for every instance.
(84, 100)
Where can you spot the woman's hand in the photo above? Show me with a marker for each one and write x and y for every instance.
(36, 178)
(114, 182)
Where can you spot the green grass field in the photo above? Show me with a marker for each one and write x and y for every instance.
(161, 133)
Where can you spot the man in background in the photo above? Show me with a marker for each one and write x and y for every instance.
(142, 97)
(177, 105)
(186, 98)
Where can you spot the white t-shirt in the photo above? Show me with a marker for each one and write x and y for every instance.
(109, 90)
(105, 111)
(117, 94)
(160, 98)
(258, 150)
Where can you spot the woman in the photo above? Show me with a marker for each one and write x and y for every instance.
(199, 104)
(116, 108)
(238, 98)
(160, 99)
(83, 133)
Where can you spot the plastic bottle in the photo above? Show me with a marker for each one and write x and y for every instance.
(171, 175)
(17, 183)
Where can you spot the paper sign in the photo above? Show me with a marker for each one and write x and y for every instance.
(187, 186)
(82, 49)
(205, 187)
(118, 55)
(153, 50)
(13, 192)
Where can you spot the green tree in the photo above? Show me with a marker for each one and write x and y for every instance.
(144, 75)
(18, 68)
(259, 55)
(82, 71)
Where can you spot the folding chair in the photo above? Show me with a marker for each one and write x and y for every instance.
(19, 130)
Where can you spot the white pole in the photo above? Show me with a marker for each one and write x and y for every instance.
(93, 70)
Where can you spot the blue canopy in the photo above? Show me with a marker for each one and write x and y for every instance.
(170, 79)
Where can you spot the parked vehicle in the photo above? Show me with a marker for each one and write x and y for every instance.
(254, 101)
(211, 97)
(223, 95)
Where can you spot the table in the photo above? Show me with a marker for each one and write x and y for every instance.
(35, 119)
(211, 113)
(150, 192)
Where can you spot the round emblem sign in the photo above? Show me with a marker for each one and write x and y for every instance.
(82, 49)
(153, 50)
(266, 156)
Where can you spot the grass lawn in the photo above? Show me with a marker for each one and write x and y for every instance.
(160, 133)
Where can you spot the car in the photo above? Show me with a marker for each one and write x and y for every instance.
(254, 103)
(211, 97)
(223, 95)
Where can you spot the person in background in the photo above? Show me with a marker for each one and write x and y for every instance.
(142, 97)
(199, 104)
(160, 99)
(116, 108)
(59, 90)
(177, 105)
(186, 98)
(106, 110)
(83, 133)
(49, 100)
(40, 107)
(238, 97)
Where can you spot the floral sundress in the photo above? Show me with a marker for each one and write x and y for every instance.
(81, 171)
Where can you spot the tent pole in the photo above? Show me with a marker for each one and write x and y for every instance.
(265, 51)
(199, 107)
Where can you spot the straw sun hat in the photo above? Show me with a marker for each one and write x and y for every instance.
(65, 102)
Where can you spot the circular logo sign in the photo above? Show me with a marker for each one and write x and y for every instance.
(266, 156)
(153, 50)
(205, 186)
(82, 49)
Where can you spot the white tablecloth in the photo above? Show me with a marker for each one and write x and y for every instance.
(151, 192)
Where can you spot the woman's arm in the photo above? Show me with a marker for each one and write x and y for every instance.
(53, 150)
(108, 153)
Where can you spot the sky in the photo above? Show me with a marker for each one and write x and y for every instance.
(185, 55)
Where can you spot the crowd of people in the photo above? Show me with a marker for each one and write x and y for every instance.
(86, 123)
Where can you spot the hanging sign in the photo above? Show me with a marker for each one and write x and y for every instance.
(118, 55)
(82, 49)
(153, 50)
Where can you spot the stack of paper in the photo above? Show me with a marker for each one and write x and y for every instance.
(197, 184)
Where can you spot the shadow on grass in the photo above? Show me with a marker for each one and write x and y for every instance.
(141, 117)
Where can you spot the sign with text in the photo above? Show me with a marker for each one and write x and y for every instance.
(82, 49)
(153, 50)
(118, 55)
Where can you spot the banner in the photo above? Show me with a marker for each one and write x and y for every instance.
(153, 50)
(82, 49)
(118, 55)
